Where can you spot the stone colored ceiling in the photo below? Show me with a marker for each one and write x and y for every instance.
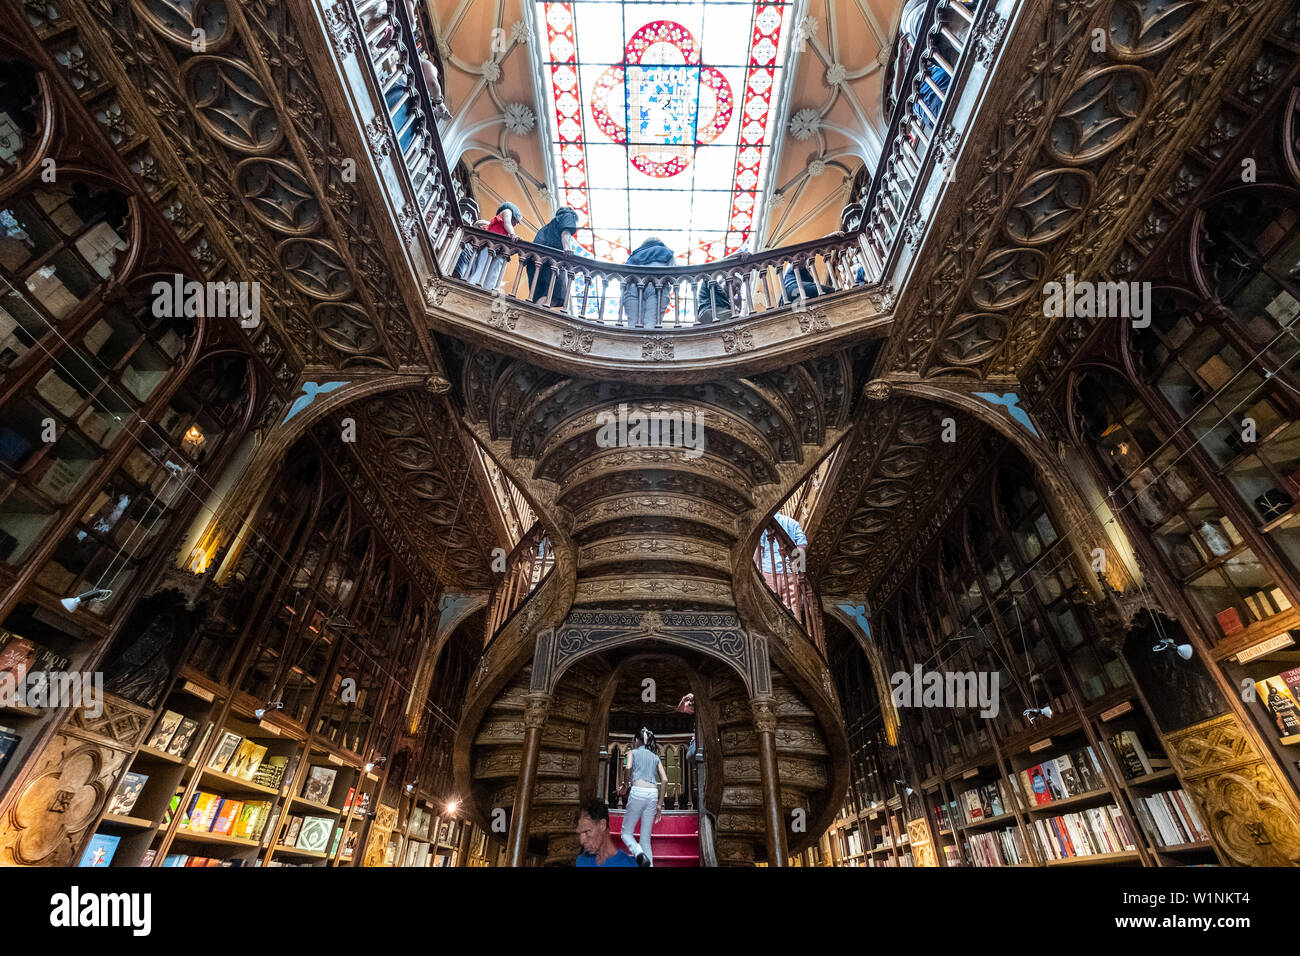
(837, 77)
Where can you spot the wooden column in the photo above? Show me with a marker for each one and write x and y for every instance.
(765, 728)
(535, 708)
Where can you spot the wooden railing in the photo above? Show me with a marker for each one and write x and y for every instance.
(738, 287)
(935, 68)
(780, 562)
(526, 568)
(605, 293)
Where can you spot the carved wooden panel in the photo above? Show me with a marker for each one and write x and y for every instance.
(64, 791)
(1239, 797)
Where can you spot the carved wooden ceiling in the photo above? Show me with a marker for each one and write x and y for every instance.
(664, 523)
(1074, 165)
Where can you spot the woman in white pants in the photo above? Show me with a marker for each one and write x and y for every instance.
(643, 800)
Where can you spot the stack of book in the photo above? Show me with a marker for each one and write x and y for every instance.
(1090, 832)
(1170, 818)
(997, 848)
(1069, 775)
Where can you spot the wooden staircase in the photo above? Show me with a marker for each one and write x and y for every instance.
(674, 841)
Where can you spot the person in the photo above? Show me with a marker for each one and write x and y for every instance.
(644, 301)
(643, 803)
(598, 846)
(557, 234)
(502, 224)
(687, 706)
(790, 282)
(777, 571)
(713, 303)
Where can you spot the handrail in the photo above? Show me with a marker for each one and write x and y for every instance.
(654, 297)
(708, 849)
(781, 565)
(738, 287)
(527, 566)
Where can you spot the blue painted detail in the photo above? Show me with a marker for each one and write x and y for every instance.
(309, 392)
(859, 615)
(1011, 401)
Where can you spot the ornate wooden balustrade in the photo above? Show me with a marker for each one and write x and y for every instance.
(781, 563)
(526, 567)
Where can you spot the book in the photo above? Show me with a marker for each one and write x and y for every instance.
(1229, 620)
(270, 772)
(1277, 699)
(319, 784)
(226, 816)
(1038, 786)
(238, 765)
(1132, 757)
(1085, 766)
(99, 851)
(1052, 778)
(1069, 777)
(314, 834)
(203, 810)
(148, 858)
(163, 730)
(9, 741)
(225, 750)
(291, 832)
(180, 741)
(127, 794)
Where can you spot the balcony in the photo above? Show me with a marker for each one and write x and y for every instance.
(766, 309)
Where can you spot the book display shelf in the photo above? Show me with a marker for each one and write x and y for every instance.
(1069, 768)
(250, 792)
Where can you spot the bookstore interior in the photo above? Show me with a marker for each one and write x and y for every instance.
(382, 486)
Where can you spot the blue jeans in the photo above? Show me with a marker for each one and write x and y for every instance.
(642, 804)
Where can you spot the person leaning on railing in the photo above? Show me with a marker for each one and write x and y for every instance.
(779, 569)
(644, 302)
(557, 234)
(502, 224)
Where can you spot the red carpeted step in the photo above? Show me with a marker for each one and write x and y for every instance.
(675, 839)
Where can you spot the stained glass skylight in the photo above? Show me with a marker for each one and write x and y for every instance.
(660, 118)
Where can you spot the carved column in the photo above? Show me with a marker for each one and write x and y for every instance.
(764, 713)
(535, 707)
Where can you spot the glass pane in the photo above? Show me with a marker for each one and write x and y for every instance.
(22, 519)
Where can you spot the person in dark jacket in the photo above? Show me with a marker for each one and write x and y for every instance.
(558, 234)
(790, 283)
(644, 301)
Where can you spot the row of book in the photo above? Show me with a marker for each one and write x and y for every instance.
(184, 859)
(1069, 775)
(982, 802)
(310, 834)
(1170, 818)
(1091, 832)
(995, 848)
(212, 813)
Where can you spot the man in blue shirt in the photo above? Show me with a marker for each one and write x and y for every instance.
(598, 843)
